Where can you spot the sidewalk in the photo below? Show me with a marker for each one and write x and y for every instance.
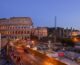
(68, 62)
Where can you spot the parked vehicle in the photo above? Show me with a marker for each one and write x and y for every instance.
(71, 55)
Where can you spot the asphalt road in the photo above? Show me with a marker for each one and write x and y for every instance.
(26, 56)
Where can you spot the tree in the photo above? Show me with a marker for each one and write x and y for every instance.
(67, 42)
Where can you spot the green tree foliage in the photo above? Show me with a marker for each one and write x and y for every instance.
(67, 42)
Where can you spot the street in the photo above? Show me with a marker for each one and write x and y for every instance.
(27, 56)
(31, 57)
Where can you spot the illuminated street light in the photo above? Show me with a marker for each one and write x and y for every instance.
(33, 42)
(28, 46)
(34, 48)
(75, 39)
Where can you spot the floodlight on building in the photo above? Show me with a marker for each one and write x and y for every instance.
(74, 33)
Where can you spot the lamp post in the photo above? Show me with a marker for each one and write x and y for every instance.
(49, 45)
(55, 30)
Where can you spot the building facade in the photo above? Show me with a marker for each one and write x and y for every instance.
(41, 32)
(22, 27)
(16, 27)
(59, 33)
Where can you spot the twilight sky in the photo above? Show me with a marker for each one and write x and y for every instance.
(42, 12)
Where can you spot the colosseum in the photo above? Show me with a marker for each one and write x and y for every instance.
(16, 27)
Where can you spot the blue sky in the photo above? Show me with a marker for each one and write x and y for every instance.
(43, 12)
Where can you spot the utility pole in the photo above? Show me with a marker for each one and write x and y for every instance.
(49, 45)
(55, 22)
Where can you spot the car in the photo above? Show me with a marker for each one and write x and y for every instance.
(61, 53)
(71, 55)
(52, 54)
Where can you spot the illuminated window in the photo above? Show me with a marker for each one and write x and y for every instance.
(24, 32)
(28, 32)
(12, 27)
(16, 32)
(9, 27)
(21, 32)
(13, 32)
(8, 32)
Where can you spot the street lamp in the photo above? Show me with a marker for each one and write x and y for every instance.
(49, 45)
(33, 43)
